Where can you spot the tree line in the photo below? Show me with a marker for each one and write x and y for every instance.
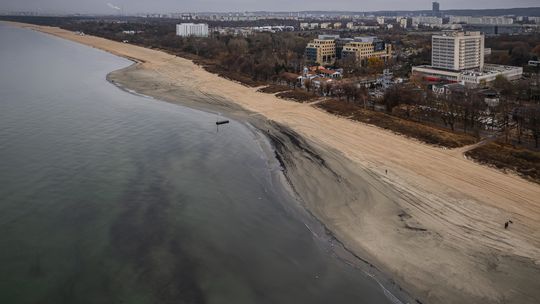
(507, 109)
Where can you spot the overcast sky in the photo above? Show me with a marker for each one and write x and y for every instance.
(136, 6)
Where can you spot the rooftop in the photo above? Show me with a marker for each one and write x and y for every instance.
(328, 37)
(366, 39)
(458, 34)
(489, 69)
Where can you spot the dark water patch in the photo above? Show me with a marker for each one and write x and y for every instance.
(142, 229)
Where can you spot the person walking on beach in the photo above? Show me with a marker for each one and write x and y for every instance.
(507, 224)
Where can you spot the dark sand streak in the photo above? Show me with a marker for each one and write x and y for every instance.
(299, 159)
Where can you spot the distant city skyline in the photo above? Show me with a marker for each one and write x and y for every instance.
(166, 6)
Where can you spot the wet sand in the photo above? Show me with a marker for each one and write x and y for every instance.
(434, 222)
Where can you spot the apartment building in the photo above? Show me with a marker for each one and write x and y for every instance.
(482, 20)
(534, 19)
(403, 22)
(192, 29)
(459, 57)
(427, 21)
(327, 48)
(322, 50)
(363, 48)
(458, 51)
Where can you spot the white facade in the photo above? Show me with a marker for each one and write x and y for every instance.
(470, 77)
(481, 20)
(452, 26)
(192, 29)
(430, 21)
(534, 19)
(403, 23)
(459, 57)
(458, 51)
(325, 25)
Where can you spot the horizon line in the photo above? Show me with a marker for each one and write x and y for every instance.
(38, 10)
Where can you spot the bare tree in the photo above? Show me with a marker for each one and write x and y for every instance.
(362, 95)
(533, 122)
(337, 90)
(448, 108)
(518, 116)
(349, 91)
(307, 84)
(503, 110)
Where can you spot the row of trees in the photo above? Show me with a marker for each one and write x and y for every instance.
(259, 56)
(513, 112)
(263, 55)
(514, 50)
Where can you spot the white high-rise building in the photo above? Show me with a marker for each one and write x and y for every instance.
(459, 57)
(458, 51)
(192, 29)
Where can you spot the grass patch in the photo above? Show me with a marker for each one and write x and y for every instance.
(297, 95)
(523, 161)
(425, 133)
(274, 88)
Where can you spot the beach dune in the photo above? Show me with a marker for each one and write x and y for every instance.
(428, 217)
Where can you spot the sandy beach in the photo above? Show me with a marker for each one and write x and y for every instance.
(434, 222)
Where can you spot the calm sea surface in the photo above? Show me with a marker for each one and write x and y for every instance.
(109, 197)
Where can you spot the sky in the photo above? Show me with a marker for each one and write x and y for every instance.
(166, 6)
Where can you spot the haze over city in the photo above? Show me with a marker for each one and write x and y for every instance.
(138, 6)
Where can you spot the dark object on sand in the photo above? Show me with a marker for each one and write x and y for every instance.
(506, 225)
(222, 122)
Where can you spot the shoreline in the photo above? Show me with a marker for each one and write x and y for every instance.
(432, 224)
(275, 135)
